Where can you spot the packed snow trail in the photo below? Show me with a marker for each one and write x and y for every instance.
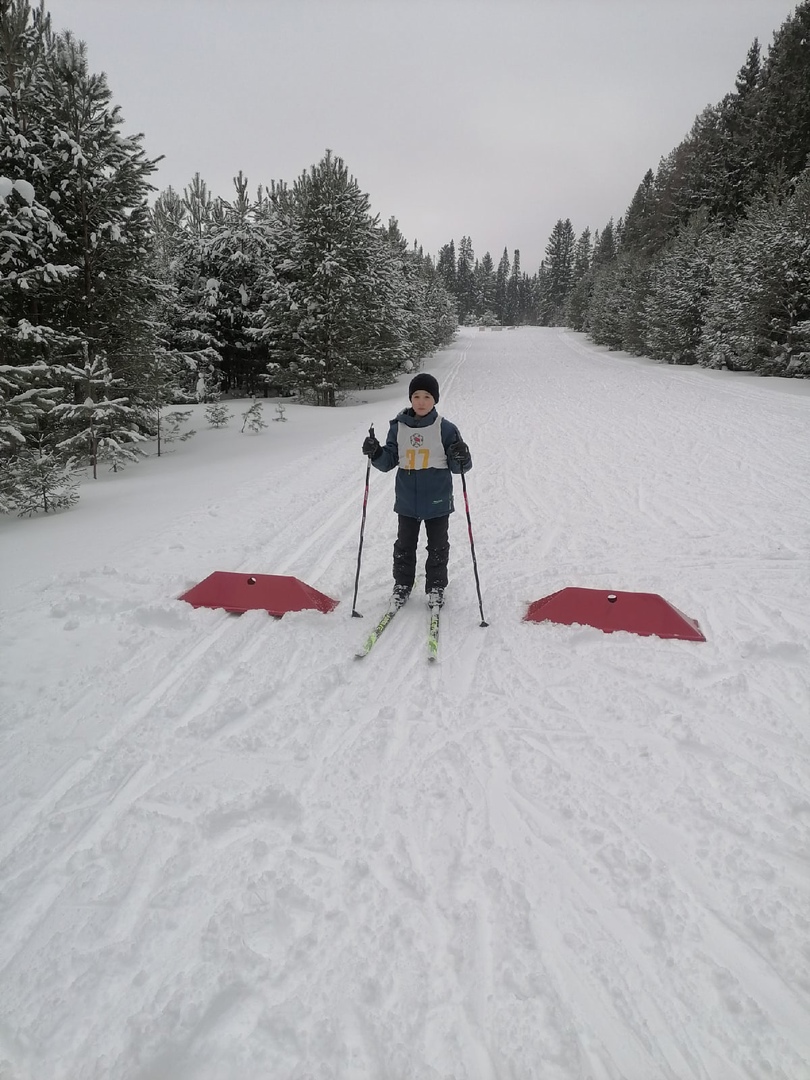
(227, 849)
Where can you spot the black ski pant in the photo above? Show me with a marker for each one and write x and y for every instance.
(438, 551)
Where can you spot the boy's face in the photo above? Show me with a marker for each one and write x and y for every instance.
(422, 402)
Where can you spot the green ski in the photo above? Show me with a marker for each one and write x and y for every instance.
(433, 633)
(374, 636)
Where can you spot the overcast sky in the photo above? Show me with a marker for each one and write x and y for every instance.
(490, 118)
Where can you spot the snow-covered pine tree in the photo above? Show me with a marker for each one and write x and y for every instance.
(28, 233)
(680, 283)
(426, 309)
(169, 232)
(441, 313)
(252, 418)
(465, 281)
(404, 287)
(485, 290)
(27, 396)
(446, 269)
(167, 381)
(172, 374)
(634, 286)
(8, 489)
(559, 263)
(99, 428)
(41, 482)
(638, 220)
(217, 415)
(170, 428)
(758, 311)
(99, 183)
(407, 334)
(742, 135)
(189, 345)
(576, 305)
(600, 321)
(327, 300)
(501, 284)
(512, 310)
(605, 246)
(780, 137)
(30, 268)
(236, 251)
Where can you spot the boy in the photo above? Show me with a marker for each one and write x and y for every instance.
(428, 449)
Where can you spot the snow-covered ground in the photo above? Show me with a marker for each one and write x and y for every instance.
(229, 850)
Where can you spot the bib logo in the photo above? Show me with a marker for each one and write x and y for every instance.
(417, 441)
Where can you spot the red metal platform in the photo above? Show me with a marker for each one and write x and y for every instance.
(264, 592)
(647, 614)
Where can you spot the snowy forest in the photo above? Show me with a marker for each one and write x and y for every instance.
(112, 311)
(116, 307)
(710, 264)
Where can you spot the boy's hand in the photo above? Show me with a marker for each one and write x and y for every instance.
(371, 446)
(459, 452)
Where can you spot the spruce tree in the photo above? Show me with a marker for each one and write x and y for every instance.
(783, 128)
(329, 288)
(217, 415)
(465, 280)
(758, 310)
(438, 305)
(33, 268)
(184, 352)
(743, 172)
(101, 182)
(512, 309)
(631, 290)
(413, 289)
(446, 268)
(235, 251)
(28, 394)
(559, 267)
(41, 482)
(604, 319)
(638, 233)
(485, 290)
(96, 426)
(252, 418)
(189, 345)
(576, 307)
(675, 308)
(501, 282)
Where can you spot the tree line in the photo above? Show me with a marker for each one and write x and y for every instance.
(112, 310)
(710, 264)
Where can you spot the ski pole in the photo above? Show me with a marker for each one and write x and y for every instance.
(472, 549)
(355, 613)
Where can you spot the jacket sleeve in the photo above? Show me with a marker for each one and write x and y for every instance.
(388, 457)
(451, 434)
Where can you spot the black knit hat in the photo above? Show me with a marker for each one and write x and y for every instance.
(424, 382)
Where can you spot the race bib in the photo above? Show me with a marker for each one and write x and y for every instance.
(421, 448)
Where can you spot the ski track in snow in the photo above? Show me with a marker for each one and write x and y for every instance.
(227, 848)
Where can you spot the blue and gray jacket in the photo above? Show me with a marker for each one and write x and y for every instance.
(418, 445)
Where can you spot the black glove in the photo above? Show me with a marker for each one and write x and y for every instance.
(371, 446)
(459, 452)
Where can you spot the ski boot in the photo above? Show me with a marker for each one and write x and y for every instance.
(400, 595)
